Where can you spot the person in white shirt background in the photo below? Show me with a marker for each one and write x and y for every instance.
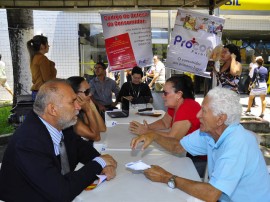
(252, 66)
(159, 74)
(3, 77)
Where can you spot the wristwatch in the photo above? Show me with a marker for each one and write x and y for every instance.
(171, 182)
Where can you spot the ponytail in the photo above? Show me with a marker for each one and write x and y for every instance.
(34, 44)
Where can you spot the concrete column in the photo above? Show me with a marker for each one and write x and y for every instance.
(20, 29)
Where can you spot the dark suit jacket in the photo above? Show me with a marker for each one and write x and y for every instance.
(31, 171)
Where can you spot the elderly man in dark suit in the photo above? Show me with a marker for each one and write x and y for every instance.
(32, 167)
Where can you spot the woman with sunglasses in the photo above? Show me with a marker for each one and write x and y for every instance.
(180, 118)
(90, 123)
(178, 96)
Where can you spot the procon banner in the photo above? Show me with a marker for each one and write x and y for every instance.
(194, 36)
(127, 38)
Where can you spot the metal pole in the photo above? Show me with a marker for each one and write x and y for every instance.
(168, 72)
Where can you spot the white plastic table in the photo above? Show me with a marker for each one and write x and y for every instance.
(130, 187)
(119, 137)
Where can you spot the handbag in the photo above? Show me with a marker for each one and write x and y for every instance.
(255, 83)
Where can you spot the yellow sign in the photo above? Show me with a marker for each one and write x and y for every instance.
(258, 5)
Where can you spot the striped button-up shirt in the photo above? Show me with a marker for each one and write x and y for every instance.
(56, 136)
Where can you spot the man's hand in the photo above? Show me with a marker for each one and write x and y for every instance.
(109, 171)
(129, 98)
(157, 174)
(137, 128)
(147, 139)
(109, 160)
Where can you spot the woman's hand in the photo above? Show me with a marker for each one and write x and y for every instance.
(84, 103)
(92, 105)
(147, 139)
(137, 128)
(233, 56)
(236, 67)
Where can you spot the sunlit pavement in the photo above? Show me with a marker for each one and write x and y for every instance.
(256, 111)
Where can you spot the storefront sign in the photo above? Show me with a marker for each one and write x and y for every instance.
(260, 5)
(127, 39)
(194, 36)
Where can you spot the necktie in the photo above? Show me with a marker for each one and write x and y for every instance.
(63, 157)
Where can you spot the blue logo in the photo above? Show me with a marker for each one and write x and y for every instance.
(143, 62)
(192, 44)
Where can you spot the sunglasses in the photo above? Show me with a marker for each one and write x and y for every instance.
(86, 92)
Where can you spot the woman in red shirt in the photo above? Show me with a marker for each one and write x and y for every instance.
(180, 119)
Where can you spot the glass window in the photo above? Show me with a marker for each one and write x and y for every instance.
(92, 47)
(159, 33)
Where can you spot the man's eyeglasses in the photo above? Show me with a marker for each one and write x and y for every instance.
(86, 92)
(165, 93)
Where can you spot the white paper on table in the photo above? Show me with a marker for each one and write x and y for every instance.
(101, 179)
(97, 182)
(100, 147)
(138, 165)
(110, 123)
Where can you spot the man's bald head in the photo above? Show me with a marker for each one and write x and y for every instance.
(49, 92)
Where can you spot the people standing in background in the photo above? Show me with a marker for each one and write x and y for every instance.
(149, 75)
(260, 76)
(116, 75)
(128, 75)
(3, 77)
(159, 74)
(42, 69)
(230, 70)
(89, 73)
(252, 66)
(134, 91)
(89, 123)
(102, 88)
